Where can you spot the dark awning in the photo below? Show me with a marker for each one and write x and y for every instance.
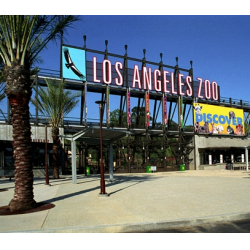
(92, 135)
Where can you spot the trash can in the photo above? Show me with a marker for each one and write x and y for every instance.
(148, 169)
(87, 170)
(182, 167)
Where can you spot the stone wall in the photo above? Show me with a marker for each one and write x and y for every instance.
(37, 133)
(216, 142)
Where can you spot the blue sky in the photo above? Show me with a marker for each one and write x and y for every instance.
(218, 45)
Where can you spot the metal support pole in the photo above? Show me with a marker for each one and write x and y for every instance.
(82, 105)
(246, 155)
(46, 159)
(111, 168)
(147, 147)
(36, 79)
(128, 153)
(101, 168)
(102, 181)
(164, 150)
(73, 160)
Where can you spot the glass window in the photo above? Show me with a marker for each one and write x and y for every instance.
(1, 159)
(8, 158)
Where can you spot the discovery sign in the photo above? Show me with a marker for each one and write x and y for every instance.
(218, 120)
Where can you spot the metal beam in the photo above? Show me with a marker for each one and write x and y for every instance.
(154, 113)
(82, 104)
(187, 115)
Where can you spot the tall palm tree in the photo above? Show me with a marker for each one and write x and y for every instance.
(2, 94)
(55, 103)
(22, 38)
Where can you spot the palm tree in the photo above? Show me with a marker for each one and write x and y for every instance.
(55, 103)
(2, 94)
(22, 38)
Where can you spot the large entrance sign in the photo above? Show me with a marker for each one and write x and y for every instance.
(112, 72)
(218, 120)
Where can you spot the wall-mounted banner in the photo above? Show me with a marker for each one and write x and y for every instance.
(73, 63)
(147, 109)
(165, 119)
(218, 120)
(181, 112)
(128, 108)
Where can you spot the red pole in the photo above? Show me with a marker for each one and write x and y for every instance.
(46, 158)
(102, 181)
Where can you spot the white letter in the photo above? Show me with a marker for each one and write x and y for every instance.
(215, 93)
(94, 71)
(165, 82)
(136, 77)
(118, 65)
(180, 83)
(146, 78)
(189, 91)
(199, 89)
(207, 89)
(172, 83)
(106, 72)
(157, 82)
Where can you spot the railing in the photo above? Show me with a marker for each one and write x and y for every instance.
(49, 73)
(75, 121)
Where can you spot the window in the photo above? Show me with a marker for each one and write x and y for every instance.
(8, 158)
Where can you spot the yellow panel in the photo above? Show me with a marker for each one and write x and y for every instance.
(218, 120)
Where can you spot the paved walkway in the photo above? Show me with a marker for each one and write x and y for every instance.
(136, 202)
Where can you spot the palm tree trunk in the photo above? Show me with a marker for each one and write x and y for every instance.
(18, 91)
(56, 144)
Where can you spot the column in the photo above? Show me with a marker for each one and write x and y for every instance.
(73, 160)
(246, 154)
(111, 168)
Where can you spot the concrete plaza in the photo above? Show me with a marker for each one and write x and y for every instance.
(136, 202)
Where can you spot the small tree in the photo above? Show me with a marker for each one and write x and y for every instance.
(54, 103)
(115, 115)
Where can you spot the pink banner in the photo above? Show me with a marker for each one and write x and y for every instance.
(147, 110)
(128, 109)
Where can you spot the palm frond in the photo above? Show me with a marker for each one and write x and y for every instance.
(55, 102)
(21, 36)
(54, 26)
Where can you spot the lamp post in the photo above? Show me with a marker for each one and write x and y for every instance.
(46, 159)
(102, 181)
